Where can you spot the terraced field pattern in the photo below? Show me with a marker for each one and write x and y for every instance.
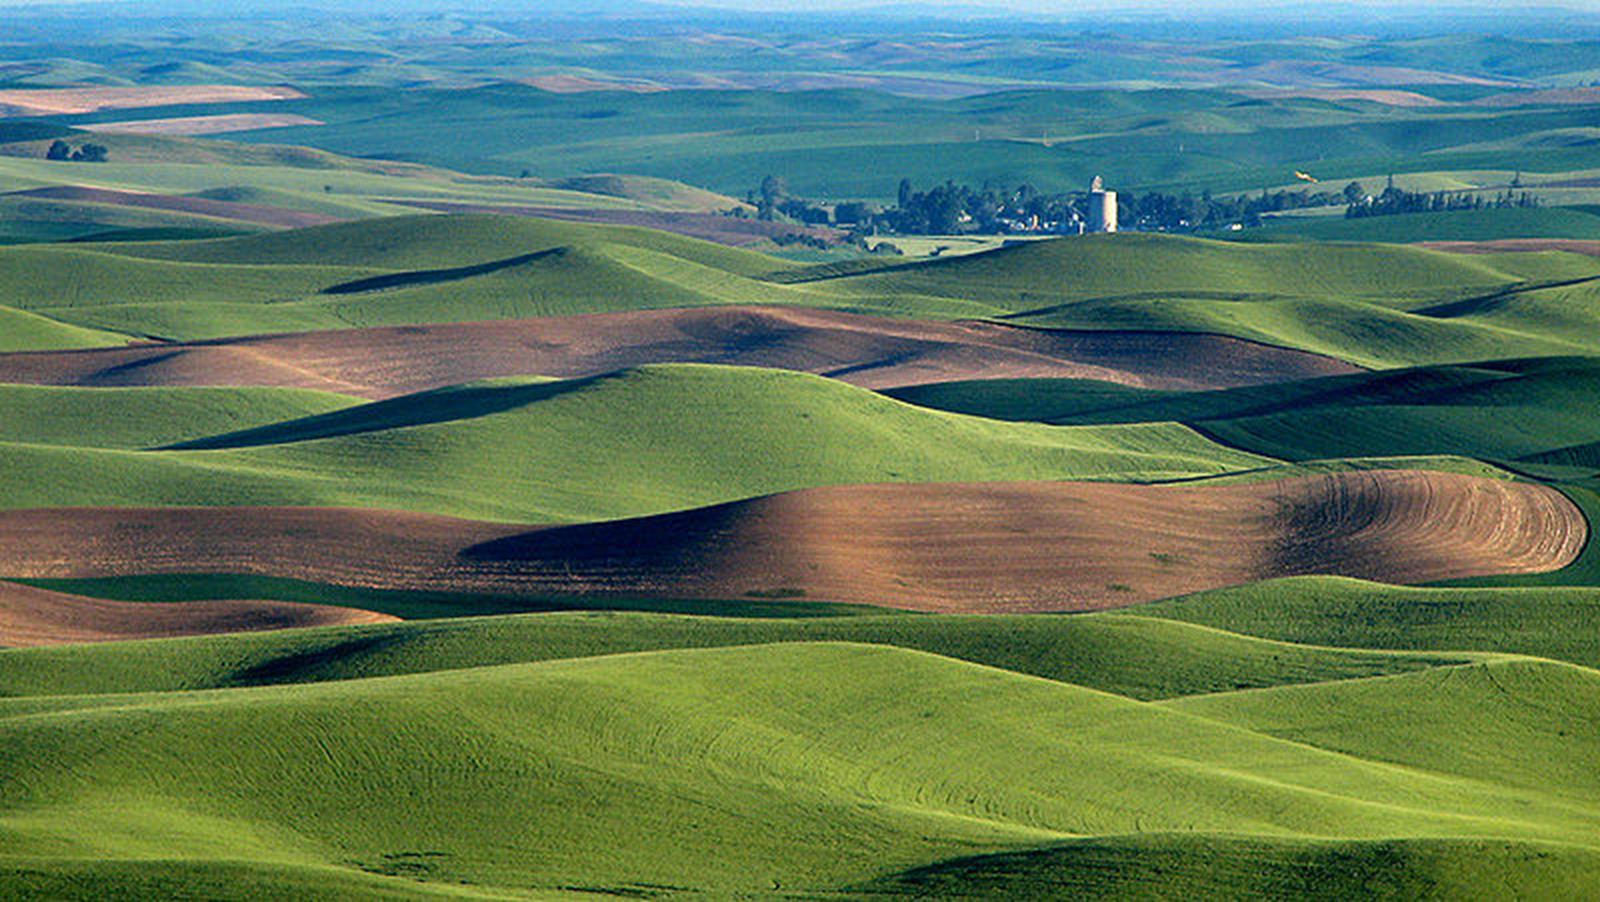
(474, 556)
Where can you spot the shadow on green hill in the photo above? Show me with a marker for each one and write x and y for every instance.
(434, 276)
(1201, 867)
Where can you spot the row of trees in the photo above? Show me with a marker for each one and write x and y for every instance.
(88, 153)
(1394, 201)
(951, 208)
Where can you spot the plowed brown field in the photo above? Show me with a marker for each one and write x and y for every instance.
(202, 125)
(30, 616)
(67, 101)
(873, 352)
(981, 547)
(1516, 246)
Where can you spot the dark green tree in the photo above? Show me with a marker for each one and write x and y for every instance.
(90, 153)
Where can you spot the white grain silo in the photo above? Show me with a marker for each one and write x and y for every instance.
(1102, 207)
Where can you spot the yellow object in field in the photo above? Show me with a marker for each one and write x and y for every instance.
(1306, 177)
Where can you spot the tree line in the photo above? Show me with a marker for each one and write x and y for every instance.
(1395, 201)
(953, 208)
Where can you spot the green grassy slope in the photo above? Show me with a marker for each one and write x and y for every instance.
(589, 278)
(1537, 410)
(1566, 311)
(419, 604)
(23, 331)
(1554, 622)
(37, 277)
(1142, 658)
(800, 767)
(427, 242)
(302, 178)
(390, 271)
(1367, 334)
(1514, 723)
(147, 417)
(1039, 400)
(642, 441)
(852, 143)
(62, 220)
(1475, 225)
(1034, 275)
(1188, 866)
(1374, 305)
(123, 879)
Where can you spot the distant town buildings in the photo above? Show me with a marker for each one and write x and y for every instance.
(1102, 207)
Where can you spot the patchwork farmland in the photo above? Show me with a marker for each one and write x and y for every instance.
(584, 453)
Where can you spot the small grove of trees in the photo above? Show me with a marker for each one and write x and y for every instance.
(88, 153)
(773, 204)
(1394, 201)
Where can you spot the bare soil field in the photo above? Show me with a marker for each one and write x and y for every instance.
(70, 101)
(1516, 246)
(1388, 97)
(203, 125)
(30, 617)
(982, 547)
(872, 352)
(1313, 73)
(562, 83)
(221, 209)
(1546, 97)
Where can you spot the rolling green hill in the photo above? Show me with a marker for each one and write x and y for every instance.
(1305, 738)
(1518, 412)
(1190, 866)
(854, 143)
(147, 417)
(1143, 658)
(431, 242)
(639, 442)
(1373, 305)
(1473, 225)
(391, 271)
(65, 277)
(743, 769)
(1505, 722)
(23, 331)
(1366, 334)
(1031, 276)
(1554, 622)
(25, 219)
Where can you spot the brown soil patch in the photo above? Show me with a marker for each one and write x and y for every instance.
(200, 206)
(1328, 74)
(577, 84)
(873, 352)
(30, 617)
(1516, 245)
(1374, 95)
(202, 125)
(68, 101)
(1547, 97)
(985, 547)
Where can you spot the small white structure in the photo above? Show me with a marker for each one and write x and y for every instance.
(1102, 207)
